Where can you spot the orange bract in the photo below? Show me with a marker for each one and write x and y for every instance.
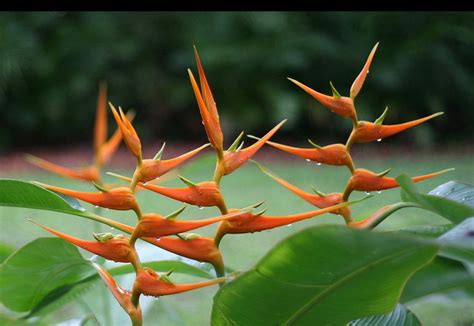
(365, 180)
(155, 225)
(233, 159)
(207, 107)
(368, 131)
(155, 168)
(129, 134)
(123, 297)
(249, 222)
(341, 105)
(116, 248)
(148, 282)
(335, 154)
(360, 79)
(120, 198)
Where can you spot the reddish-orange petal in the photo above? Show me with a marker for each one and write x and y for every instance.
(360, 79)
(152, 169)
(148, 282)
(368, 131)
(248, 222)
(123, 297)
(120, 198)
(100, 129)
(234, 160)
(202, 249)
(129, 134)
(343, 106)
(110, 147)
(116, 249)
(86, 174)
(365, 180)
(155, 225)
(211, 123)
(335, 154)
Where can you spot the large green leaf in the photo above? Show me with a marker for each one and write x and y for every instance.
(441, 275)
(323, 275)
(400, 316)
(16, 193)
(5, 251)
(458, 243)
(428, 231)
(38, 268)
(458, 191)
(446, 207)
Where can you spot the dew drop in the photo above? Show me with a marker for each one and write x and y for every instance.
(203, 122)
(367, 192)
(308, 160)
(379, 140)
(202, 264)
(106, 209)
(112, 228)
(368, 71)
(289, 225)
(318, 163)
(379, 192)
(96, 206)
(157, 178)
(200, 207)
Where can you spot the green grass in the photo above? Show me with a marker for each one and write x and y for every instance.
(244, 187)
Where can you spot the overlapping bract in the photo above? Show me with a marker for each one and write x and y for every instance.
(166, 232)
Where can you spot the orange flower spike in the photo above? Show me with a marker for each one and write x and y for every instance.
(207, 107)
(249, 222)
(129, 134)
(235, 157)
(341, 105)
(116, 248)
(120, 198)
(360, 79)
(150, 283)
(319, 199)
(86, 174)
(370, 131)
(155, 225)
(335, 154)
(365, 180)
(156, 167)
(123, 297)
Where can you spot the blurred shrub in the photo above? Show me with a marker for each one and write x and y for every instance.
(51, 64)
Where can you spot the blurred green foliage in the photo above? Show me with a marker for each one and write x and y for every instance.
(51, 65)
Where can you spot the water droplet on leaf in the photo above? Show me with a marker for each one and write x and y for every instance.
(379, 140)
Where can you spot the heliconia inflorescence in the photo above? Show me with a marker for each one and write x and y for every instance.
(168, 232)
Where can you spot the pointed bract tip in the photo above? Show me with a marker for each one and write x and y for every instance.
(99, 187)
(380, 119)
(314, 144)
(187, 181)
(175, 214)
(253, 137)
(384, 173)
(160, 152)
(335, 93)
(118, 176)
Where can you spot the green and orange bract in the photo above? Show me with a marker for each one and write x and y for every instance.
(166, 232)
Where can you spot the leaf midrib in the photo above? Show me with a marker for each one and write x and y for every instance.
(300, 312)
